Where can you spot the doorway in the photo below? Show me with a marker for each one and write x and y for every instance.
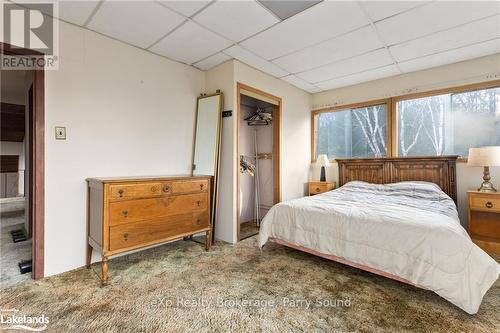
(22, 176)
(258, 152)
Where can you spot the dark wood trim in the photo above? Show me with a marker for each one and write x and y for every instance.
(37, 172)
(276, 147)
(440, 170)
(7, 49)
(38, 143)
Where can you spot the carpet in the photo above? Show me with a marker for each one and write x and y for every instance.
(179, 287)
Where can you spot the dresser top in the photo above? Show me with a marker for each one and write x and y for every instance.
(144, 178)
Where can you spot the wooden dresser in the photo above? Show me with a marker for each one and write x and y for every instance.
(130, 213)
(484, 220)
(320, 187)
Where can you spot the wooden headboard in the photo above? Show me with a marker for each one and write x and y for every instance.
(440, 170)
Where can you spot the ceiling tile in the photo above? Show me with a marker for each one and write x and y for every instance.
(138, 23)
(251, 59)
(343, 47)
(452, 56)
(76, 12)
(432, 18)
(369, 75)
(212, 61)
(316, 24)
(478, 31)
(378, 10)
(187, 8)
(236, 20)
(299, 83)
(190, 43)
(375, 59)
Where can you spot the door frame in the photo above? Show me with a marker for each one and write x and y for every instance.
(36, 128)
(276, 146)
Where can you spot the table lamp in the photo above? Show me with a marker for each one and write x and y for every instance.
(485, 157)
(323, 162)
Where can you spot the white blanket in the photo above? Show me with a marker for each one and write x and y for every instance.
(408, 229)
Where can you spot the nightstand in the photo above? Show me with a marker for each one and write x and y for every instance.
(320, 187)
(484, 220)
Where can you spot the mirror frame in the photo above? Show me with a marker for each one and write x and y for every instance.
(215, 182)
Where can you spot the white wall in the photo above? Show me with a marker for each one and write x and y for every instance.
(295, 126)
(466, 72)
(127, 112)
(222, 77)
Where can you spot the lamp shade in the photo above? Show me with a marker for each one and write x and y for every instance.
(323, 160)
(484, 156)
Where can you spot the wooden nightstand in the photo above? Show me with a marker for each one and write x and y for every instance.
(484, 220)
(320, 187)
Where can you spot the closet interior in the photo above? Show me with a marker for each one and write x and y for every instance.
(256, 153)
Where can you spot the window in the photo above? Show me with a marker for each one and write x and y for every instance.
(445, 122)
(352, 132)
(448, 124)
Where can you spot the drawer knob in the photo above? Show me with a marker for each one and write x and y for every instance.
(198, 221)
(198, 203)
(166, 188)
(120, 192)
(201, 186)
(489, 204)
(317, 189)
(125, 236)
(125, 213)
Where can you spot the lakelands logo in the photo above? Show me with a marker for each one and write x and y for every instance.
(11, 319)
(31, 27)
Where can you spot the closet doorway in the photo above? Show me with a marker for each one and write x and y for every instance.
(259, 160)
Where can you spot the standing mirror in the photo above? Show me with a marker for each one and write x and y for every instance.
(207, 144)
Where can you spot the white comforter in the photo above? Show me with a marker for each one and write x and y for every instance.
(408, 229)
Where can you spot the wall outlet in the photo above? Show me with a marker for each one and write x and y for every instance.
(60, 133)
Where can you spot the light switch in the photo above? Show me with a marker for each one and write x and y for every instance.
(60, 133)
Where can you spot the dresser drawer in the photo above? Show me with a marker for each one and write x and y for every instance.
(180, 187)
(131, 191)
(141, 209)
(484, 203)
(162, 228)
(318, 187)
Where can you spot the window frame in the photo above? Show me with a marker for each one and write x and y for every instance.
(392, 112)
(344, 107)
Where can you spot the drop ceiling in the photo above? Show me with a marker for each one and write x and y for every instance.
(316, 45)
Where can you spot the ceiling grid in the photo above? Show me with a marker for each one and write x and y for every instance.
(315, 46)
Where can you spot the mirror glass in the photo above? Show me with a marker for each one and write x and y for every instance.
(206, 148)
(207, 145)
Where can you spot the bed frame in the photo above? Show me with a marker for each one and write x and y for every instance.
(440, 170)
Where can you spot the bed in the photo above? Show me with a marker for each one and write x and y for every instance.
(394, 217)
